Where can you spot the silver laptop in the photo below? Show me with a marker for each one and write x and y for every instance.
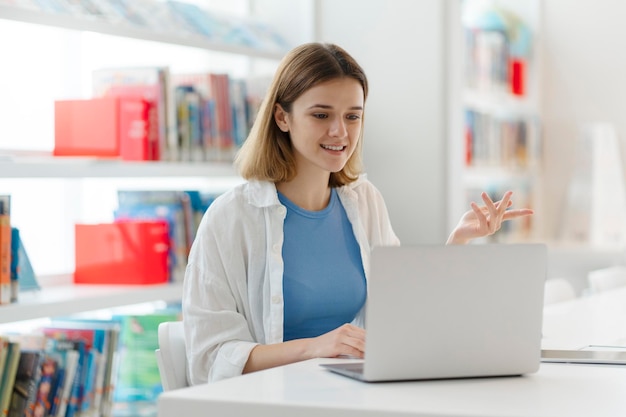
(455, 311)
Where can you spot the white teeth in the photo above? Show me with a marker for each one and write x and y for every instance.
(332, 148)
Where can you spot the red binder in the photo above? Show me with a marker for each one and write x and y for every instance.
(127, 252)
(105, 127)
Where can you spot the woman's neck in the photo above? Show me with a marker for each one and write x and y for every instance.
(309, 193)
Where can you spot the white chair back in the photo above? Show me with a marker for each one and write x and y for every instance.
(607, 278)
(558, 290)
(171, 355)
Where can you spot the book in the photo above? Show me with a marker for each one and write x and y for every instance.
(106, 375)
(66, 354)
(223, 110)
(42, 402)
(32, 354)
(26, 382)
(240, 112)
(56, 390)
(4, 353)
(182, 124)
(8, 376)
(156, 15)
(67, 396)
(5, 249)
(217, 125)
(139, 378)
(15, 245)
(51, 6)
(4, 350)
(119, 11)
(200, 83)
(23, 276)
(92, 341)
(190, 125)
(198, 20)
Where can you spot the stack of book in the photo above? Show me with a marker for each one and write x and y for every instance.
(80, 367)
(66, 369)
(150, 114)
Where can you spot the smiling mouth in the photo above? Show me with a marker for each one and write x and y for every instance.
(333, 147)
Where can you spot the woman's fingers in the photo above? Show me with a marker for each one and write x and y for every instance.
(344, 340)
(513, 214)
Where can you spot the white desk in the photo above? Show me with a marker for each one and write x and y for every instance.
(305, 389)
(599, 319)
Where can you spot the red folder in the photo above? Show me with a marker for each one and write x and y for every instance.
(127, 252)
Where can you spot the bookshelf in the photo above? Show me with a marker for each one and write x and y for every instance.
(37, 168)
(126, 30)
(495, 135)
(49, 167)
(62, 298)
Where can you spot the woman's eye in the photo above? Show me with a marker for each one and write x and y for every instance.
(320, 115)
(354, 116)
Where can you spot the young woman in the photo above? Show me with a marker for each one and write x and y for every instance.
(278, 270)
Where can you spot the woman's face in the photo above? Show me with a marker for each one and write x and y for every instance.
(324, 125)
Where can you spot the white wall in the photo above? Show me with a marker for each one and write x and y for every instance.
(583, 67)
(400, 44)
(583, 71)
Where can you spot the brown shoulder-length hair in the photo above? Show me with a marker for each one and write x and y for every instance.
(267, 153)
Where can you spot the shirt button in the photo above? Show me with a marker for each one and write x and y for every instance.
(276, 247)
(282, 210)
(276, 299)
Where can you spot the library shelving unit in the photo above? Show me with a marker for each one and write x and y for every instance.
(495, 134)
(59, 296)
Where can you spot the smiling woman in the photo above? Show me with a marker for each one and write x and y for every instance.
(268, 152)
(278, 270)
(325, 127)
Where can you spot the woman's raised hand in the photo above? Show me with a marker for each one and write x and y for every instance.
(485, 220)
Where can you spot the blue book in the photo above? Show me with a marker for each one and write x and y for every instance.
(172, 206)
(22, 273)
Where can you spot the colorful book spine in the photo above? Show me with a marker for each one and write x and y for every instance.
(26, 383)
(8, 376)
(42, 403)
(5, 249)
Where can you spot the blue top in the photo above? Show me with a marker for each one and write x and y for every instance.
(323, 280)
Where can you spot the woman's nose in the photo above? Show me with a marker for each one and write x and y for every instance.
(338, 128)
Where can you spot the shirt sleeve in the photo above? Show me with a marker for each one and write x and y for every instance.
(218, 338)
(375, 217)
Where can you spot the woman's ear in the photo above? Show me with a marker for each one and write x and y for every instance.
(280, 116)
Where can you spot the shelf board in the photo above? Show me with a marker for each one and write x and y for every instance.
(62, 300)
(48, 167)
(489, 174)
(127, 30)
(499, 103)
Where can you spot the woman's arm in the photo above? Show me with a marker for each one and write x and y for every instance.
(345, 340)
